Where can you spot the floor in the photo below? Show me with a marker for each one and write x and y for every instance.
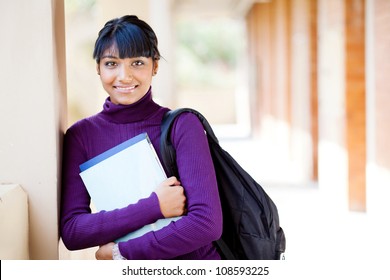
(324, 241)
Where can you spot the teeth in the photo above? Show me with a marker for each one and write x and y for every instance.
(126, 88)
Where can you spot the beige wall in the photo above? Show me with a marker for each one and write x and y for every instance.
(13, 223)
(31, 112)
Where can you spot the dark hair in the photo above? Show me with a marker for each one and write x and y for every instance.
(132, 37)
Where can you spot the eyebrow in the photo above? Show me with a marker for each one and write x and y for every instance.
(109, 56)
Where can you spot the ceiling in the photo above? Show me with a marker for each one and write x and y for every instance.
(234, 8)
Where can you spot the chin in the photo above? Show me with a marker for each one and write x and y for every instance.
(124, 101)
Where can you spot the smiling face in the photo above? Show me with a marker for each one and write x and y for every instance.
(126, 80)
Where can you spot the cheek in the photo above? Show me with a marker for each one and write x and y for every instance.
(107, 78)
(145, 76)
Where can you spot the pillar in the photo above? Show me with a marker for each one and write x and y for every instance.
(355, 95)
(314, 86)
(32, 110)
(378, 100)
(332, 152)
(301, 95)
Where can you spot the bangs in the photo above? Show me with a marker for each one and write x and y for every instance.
(128, 41)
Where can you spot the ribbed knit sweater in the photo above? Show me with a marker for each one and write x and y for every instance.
(188, 238)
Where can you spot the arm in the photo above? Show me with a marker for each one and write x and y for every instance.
(203, 223)
(79, 227)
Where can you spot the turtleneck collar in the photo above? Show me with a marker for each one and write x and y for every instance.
(138, 111)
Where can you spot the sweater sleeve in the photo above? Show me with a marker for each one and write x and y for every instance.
(203, 222)
(78, 226)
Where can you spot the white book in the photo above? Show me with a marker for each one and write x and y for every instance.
(123, 175)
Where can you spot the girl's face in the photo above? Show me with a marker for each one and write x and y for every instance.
(126, 80)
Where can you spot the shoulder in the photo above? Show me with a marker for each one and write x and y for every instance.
(187, 127)
(186, 119)
(83, 124)
(80, 129)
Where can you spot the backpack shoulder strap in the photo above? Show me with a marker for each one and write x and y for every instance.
(168, 152)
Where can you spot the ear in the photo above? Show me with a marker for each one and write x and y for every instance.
(98, 68)
(155, 67)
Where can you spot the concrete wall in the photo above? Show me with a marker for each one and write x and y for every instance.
(32, 112)
(14, 224)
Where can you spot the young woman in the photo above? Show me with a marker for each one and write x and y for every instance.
(127, 58)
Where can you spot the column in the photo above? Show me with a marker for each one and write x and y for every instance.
(32, 111)
(355, 95)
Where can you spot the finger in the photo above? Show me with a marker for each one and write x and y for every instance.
(97, 254)
(177, 183)
(172, 181)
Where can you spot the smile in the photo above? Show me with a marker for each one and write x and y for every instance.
(125, 89)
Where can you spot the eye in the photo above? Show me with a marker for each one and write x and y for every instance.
(138, 63)
(110, 64)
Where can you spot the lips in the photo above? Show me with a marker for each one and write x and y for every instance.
(125, 88)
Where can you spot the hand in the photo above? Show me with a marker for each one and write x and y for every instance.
(171, 198)
(105, 252)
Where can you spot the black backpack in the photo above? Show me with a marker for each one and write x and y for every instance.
(250, 218)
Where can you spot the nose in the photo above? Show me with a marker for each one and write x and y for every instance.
(125, 74)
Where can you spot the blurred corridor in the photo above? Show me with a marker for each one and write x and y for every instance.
(302, 104)
(296, 90)
(318, 229)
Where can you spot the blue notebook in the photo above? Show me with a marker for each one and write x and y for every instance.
(123, 175)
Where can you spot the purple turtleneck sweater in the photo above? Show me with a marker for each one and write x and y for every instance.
(188, 238)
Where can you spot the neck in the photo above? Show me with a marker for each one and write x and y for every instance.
(138, 111)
